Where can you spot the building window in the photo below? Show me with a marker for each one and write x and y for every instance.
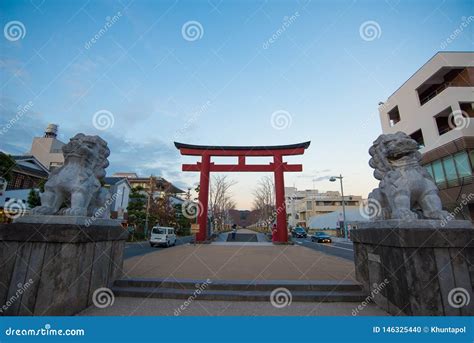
(443, 121)
(467, 108)
(309, 205)
(53, 165)
(462, 164)
(471, 155)
(418, 137)
(438, 172)
(393, 116)
(18, 183)
(451, 168)
(430, 170)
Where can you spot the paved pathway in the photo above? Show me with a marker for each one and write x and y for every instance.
(225, 236)
(169, 307)
(236, 261)
(240, 262)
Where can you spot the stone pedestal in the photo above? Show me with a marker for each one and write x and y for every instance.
(54, 269)
(419, 268)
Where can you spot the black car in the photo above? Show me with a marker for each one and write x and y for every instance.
(321, 237)
(299, 232)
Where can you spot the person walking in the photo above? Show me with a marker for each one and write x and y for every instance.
(234, 231)
(274, 231)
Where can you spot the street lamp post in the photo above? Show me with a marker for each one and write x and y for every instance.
(333, 179)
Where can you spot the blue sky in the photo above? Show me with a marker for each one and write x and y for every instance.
(160, 85)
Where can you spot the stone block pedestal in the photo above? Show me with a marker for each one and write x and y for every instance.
(419, 268)
(54, 269)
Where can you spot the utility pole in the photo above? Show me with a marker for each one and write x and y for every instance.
(332, 179)
(151, 190)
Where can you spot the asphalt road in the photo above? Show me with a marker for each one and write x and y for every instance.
(340, 249)
(142, 248)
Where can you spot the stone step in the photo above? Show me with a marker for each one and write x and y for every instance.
(236, 295)
(242, 285)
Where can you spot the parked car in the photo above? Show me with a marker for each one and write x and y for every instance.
(162, 235)
(299, 232)
(321, 237)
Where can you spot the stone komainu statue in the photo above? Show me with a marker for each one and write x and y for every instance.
(406, 190)
(77, 181)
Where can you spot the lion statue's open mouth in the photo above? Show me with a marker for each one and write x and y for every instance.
(404, 183)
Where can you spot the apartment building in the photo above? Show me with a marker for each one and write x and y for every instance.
(304, 204)
(435, 106)
(159, 185)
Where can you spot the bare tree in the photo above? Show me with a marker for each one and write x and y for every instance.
(264, 198)
(220, 200)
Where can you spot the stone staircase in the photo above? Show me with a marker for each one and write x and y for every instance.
(240, 290)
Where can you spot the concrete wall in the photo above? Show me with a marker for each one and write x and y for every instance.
(54, 269)
(417, 266)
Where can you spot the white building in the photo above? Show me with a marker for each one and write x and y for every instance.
(332, 220)
(435, 107)
(120, 189)
(302, 205)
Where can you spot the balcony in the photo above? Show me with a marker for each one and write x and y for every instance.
(444, 78)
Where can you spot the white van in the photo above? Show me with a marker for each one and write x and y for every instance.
(162, 235)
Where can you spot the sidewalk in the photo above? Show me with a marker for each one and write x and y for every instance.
(340, 240)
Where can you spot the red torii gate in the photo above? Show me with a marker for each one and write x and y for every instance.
(278, 167)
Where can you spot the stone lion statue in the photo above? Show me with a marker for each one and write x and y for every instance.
(406, 190)
(77, 181)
